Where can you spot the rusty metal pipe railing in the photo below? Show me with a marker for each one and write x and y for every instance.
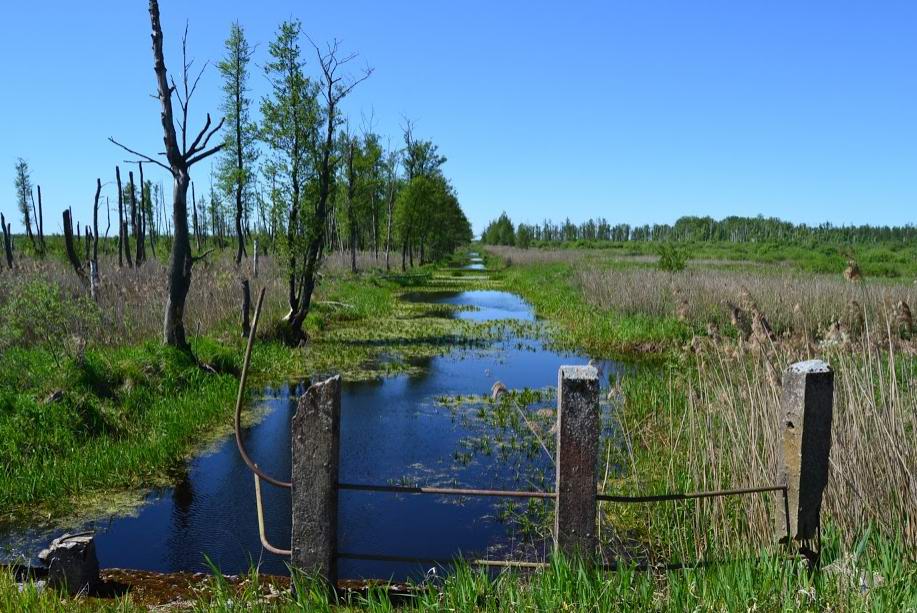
(239, 398)
(690, 495)
(258, 473)
(261, 534)
(373, 557)
(456, 491)
(445, 491)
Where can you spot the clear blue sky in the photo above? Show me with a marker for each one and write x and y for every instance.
(638, 111)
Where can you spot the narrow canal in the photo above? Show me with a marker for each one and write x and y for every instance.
(396, 430)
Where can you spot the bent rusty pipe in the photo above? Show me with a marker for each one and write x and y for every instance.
(248, 355)
(261, 534)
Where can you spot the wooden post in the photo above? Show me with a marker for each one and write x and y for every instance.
(806, 409)
(577, 453)
(315, 448)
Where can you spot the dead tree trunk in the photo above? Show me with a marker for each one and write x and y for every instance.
(180, 157)
(41, 223)
(70, 248)
(7, 242)
(120, 218)
(135, 215)
(94, 261)
(141, 222)
(246, 308)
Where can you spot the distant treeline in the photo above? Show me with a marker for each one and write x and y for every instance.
(502, 231)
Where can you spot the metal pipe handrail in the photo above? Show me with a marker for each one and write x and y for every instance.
(242, 379)
(690, 495)
(445, 491)
(454, 491)
(374, 557)
(261, 534)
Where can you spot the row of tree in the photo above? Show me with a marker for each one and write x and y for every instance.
(502, 231)
(296, 178)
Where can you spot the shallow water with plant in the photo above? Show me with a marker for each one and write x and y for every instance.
(435, 427)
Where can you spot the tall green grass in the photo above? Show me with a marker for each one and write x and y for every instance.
(874, 581)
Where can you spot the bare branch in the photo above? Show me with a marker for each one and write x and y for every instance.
(199, 136)
(197, 258)
(194, 148)
(205, 154)
(141, 155)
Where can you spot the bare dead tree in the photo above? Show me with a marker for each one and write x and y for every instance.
(108, 215)
(37, 242)
(132, 198)
(40, 222)
(71, 248)
(94, 261)
(140, 231)
(246, 308)
(120, 218)
(180, 157)
(7, 242)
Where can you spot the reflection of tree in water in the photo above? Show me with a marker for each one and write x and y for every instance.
(183, 498)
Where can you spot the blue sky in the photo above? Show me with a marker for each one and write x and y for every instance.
(638, 111)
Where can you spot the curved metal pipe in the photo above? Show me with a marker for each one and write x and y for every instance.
(248, 355)
(264, 543)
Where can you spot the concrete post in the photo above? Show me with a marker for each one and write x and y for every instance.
(577, 453)
(806, 408)
(315, 447)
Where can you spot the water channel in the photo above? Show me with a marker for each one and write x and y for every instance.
(392, 431)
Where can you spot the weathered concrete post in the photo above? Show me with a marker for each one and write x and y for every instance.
(806, 408)
(315, 447)
(577, 453)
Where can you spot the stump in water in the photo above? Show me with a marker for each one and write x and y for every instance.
(498, 390)
(72, 562)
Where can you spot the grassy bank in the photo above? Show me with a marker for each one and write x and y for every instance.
(89, 416)
(760, 584)
(706, 417)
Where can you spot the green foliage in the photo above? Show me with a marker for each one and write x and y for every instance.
(672, 258)
(240, 132)
(23, 185)
(38, 314)
(428, 215)
(500, 232)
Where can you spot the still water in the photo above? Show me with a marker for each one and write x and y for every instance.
(392, 431)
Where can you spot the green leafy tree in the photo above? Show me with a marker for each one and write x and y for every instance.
(240, 153)
(290, 124)
(23, 194)
(500, 232)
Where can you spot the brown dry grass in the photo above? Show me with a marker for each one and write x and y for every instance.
(717, 422)
(131, 301)
(728, 434)
(791, 301)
